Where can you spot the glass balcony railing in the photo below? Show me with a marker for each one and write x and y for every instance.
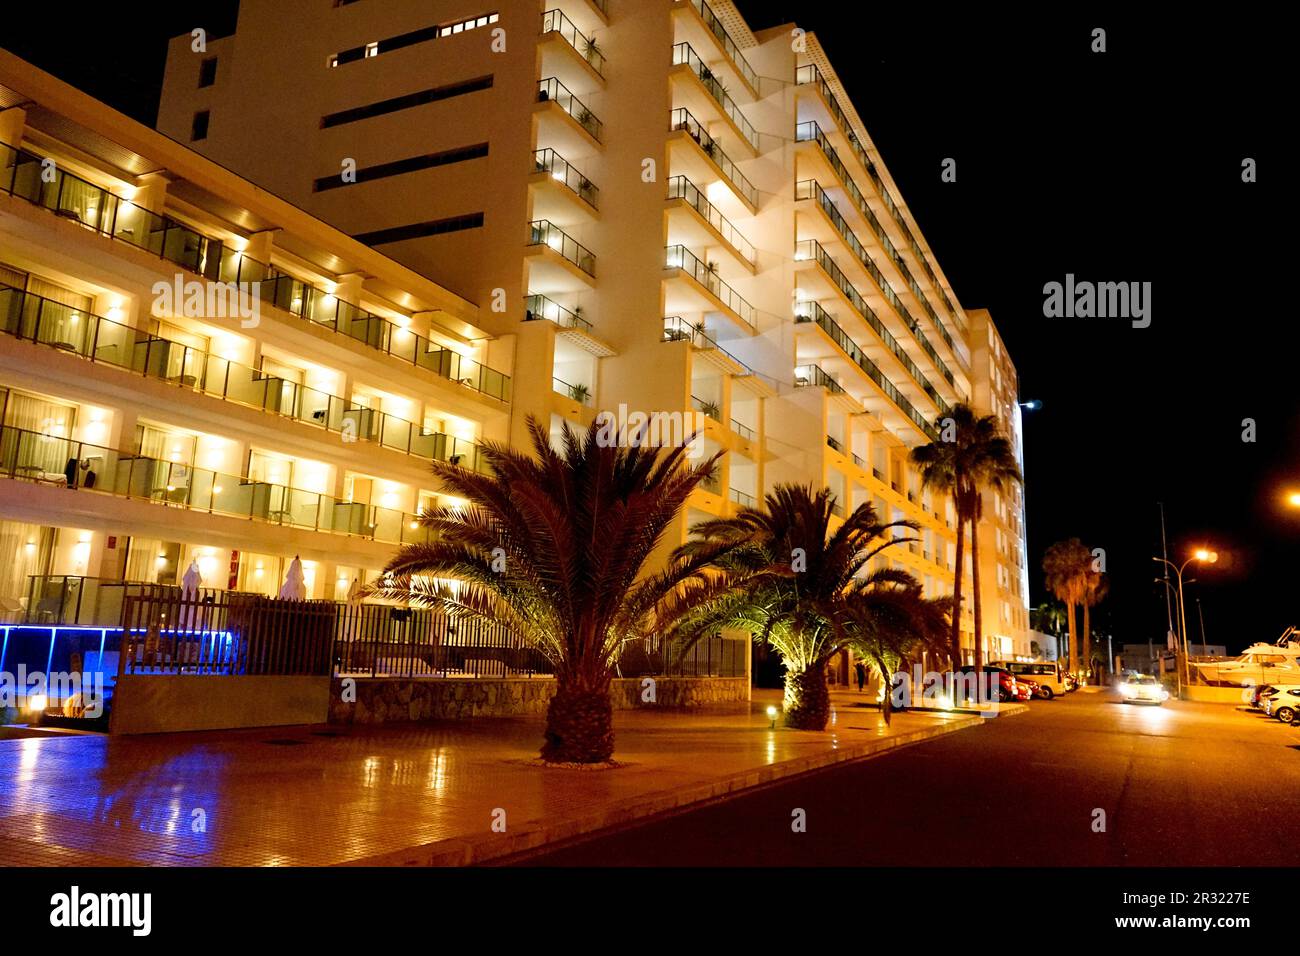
(561, 170)
(679, 257)
(812, 249)
(720, 33)
(742, 498)
(743, 430)
(806, 376)
(681, 119)
(31, 456)
(538, 306)
(811, 189)
(811, 132)
(809, 74)
(554, 21)
(679, 187)
(552, 90)
(543, 232)
(677, 329)
(683, 54)
(101, 340)
(812, 312)
(80, 201)
(579, 393)
(707, 408)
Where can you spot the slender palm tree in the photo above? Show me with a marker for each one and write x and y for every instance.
(554, 546)
(889, 621)
(784, 575)
(1095, 588)
(1066, 565)
(971, 456)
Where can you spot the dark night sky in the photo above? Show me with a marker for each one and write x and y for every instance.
(1123, 166)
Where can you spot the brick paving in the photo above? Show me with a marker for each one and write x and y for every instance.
(413, 793)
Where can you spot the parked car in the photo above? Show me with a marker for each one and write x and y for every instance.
(1027, 689)
(1283, 702)
(1142, 688)
(1006, 682)
(1048, 675)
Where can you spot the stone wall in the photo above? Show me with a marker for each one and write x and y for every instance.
(388, 700)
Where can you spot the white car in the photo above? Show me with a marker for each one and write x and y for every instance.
(1282, 702)
(1142, 688)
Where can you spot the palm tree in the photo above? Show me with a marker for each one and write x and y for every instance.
(1066, 566)
(783, 575)
(976, 457)
(554, 546)
(890, 620)
(1095, 588)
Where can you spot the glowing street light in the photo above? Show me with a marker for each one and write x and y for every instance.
(1204, 556)
(1293, 499)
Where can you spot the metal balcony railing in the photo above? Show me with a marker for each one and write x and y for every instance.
(679, 187)
(720, 33)
(562, 171)
(681, 119)
(552, 90)
(538, 306)
(555, 21)
(683, 54)
(679, 257)
(543, 232)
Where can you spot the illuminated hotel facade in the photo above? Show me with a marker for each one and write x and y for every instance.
(585, 204)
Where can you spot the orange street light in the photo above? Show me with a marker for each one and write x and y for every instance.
(1209, 557)
(1206, 556)
(1293, 499)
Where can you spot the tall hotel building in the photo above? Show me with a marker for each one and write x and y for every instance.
(594, 204)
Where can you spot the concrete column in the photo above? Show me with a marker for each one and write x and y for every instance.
(12, 123)
(260, 245)
(151, 194)
(348, 288)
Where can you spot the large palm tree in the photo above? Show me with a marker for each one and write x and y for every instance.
(1095, 588)
(784, 575)
(971, 456)
(890, 621)
(1066, 566)
(554, 547)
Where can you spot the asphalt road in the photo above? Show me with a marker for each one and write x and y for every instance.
(1181, 784)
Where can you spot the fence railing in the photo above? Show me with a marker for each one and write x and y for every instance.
(681, 120)
(552, 90)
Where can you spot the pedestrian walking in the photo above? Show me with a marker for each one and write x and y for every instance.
(862, 675)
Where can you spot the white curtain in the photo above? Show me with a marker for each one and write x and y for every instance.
(17, 561)
(46, 451)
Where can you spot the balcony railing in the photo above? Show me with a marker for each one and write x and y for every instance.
(810, 189)
(812, 249)
(743, 430)
(76, 199)
(811, 132)
(31, 456)
(677, 329)
(706, 407)
(742, 498)
(809, 375)
(561, 170)
(579, 393)
(554, 21)
(551, 89)
(833, 443)
(679, 257)
(101, 340)
(812, 312)
(681, 119)
(538, 306)
(724, 40)
(683, 54)
(543, 232)
(679, 187)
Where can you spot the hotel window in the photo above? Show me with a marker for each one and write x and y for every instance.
(208, 72)
(199, 128)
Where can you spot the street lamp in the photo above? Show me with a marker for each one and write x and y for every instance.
(1293, 499)
(1206, 556)
(1032, 405)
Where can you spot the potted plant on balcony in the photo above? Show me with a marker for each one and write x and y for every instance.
(711, 278)
(711, 410)
(591, 50)
(579, 393)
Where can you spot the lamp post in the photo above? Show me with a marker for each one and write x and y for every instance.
(1200, 555)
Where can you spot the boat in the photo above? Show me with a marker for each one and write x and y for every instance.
(1262, 663)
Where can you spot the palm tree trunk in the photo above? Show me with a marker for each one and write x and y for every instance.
(886, 681)
(1072, 656)
(807, 703)
(975, 591)
(956, 591)
(579, 723)
(1087, 639)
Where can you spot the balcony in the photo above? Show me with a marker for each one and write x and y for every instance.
(80, 201)
(810, 132)
(707, 226)
(812, 250)
(565, 121)
(540, 307)
(741, 498)
(706, 26)
(580, 56)
(703, 290)
(809, 75)
(694, 151)
(808, 376)
(707, 408)
(578, 393)
(814, 314)
(553, 174)
(677, 329)
(810, 189)
(40, 459)
(714, 93)
(103, 341)
(557, 261)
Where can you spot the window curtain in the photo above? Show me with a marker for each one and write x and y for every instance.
(142, 559)
(47, 450)
(58, 293)
(17, 561)
(14, 278)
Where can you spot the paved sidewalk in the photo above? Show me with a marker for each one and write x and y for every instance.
(415, 794)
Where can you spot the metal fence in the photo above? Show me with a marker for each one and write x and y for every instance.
(711, 657)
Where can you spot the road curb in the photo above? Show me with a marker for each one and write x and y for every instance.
(468, 851)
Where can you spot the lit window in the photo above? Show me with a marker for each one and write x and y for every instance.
(372, 49)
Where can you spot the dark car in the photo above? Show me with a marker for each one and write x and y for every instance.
(1006, 681)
